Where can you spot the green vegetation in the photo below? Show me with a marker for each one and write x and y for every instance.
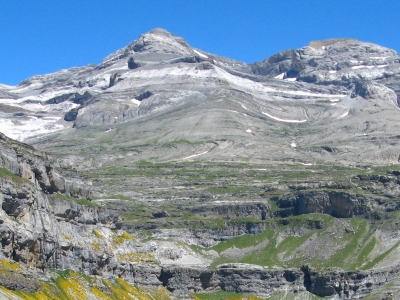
(7, 174)
(70, 285)
(380, 258)
(347, 249)
(80, 201)
(221, 295)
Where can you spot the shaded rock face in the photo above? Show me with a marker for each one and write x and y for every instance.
(371, 90)
(131, 65)
(252, 279)
(241, 210)
(44, 172)
(337, 204)
(42, 231)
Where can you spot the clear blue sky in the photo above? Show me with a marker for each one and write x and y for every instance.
(40, 36)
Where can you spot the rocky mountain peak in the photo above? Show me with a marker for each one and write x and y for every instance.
(158, 40)
(157, 44)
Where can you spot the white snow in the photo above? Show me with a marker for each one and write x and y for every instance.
(333, 104)
(283, 120)
(379, 57)
(334, 100)
(360, 67)
(194, 155)
(7, 101)
(174, 73)
(248, 130)
(137, 102)
(290, 79)
(306, 164)
(293, 144)
(27, 88)
(52, 118)
(21, 130)
(243, 106)
(332, 71)
(60, 107)
(382, 66)
(280, 76)
(200, 54)
(344, 114)
(233, 111)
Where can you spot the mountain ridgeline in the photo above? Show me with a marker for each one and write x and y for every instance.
(167, 172)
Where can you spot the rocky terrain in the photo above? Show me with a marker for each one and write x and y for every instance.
(172, 172)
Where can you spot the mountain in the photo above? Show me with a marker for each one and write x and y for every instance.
(277, 179)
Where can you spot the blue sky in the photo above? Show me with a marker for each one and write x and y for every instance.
(44, 36)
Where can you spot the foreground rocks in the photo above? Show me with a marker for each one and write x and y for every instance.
(253, 279)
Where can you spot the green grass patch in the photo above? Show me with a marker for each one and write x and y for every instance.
(244, 241)
(379, 258)
(80, 201)
(7, 174)
(222, 295)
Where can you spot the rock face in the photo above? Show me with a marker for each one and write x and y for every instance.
(42, 171)
(371, 90)
(252, 279)
(330, 61)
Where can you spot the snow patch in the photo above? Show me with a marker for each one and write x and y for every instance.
(332, 71)
(379, 57)
(194, 155)
(137, 102)
(283, 120)
(248, 130)
(200, 54)
(280, 76)
(290, 79)
(243, 106)
(344, 114)
(361, 67)
(22, 129)
(293, 144)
